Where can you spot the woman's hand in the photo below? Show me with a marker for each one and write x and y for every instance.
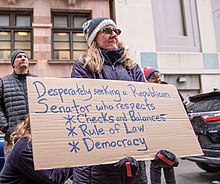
(130, 164)
(165, 158)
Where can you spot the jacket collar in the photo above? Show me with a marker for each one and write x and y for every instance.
(112, 56)
(20, 76)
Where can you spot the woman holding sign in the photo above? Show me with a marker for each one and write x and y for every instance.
(19, 164)
(107, 58)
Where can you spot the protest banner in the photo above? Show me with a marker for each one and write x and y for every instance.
(77, 122)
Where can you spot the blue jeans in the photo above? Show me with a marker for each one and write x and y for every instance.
(155, 174)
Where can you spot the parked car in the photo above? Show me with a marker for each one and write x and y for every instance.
(2, 159)
(204, 114)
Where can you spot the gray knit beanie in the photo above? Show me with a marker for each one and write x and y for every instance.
(93, 26)
(14, 54)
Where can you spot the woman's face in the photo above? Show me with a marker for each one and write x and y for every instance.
(107, 38)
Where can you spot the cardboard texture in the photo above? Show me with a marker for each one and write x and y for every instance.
(77, 122)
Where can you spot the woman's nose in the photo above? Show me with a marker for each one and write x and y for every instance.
(114, 33)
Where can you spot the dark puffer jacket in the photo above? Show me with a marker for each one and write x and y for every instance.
(13, 102)
(108, 174)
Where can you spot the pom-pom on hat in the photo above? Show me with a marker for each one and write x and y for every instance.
(14, 54)
(148, 71)
(93, 26)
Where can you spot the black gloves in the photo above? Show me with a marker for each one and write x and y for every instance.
(130, 164)
(165, 158)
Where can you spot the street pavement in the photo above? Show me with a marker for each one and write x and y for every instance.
(189, 173)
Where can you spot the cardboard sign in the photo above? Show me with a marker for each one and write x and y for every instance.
(77, 122)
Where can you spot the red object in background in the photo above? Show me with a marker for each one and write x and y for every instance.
(211, 118)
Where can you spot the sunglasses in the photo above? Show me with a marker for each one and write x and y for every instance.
(108, 30)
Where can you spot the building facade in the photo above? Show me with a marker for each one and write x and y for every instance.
(50, 31)
(179, 37)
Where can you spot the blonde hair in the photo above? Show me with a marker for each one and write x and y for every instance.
(22, 130)
(94, 60)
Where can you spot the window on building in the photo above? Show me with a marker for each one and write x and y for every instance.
(176, 25)
(67, 35)
(15, 33)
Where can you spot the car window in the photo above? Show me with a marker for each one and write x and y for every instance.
(204, 105)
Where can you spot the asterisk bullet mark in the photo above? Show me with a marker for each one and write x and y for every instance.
(69, 120)
(71, 131)
(74, 146)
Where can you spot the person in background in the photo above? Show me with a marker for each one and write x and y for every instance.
(152, 75)
(13, 96)
(19, 164)
(107, 58)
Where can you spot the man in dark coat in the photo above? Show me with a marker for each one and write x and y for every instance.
(13, 96)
